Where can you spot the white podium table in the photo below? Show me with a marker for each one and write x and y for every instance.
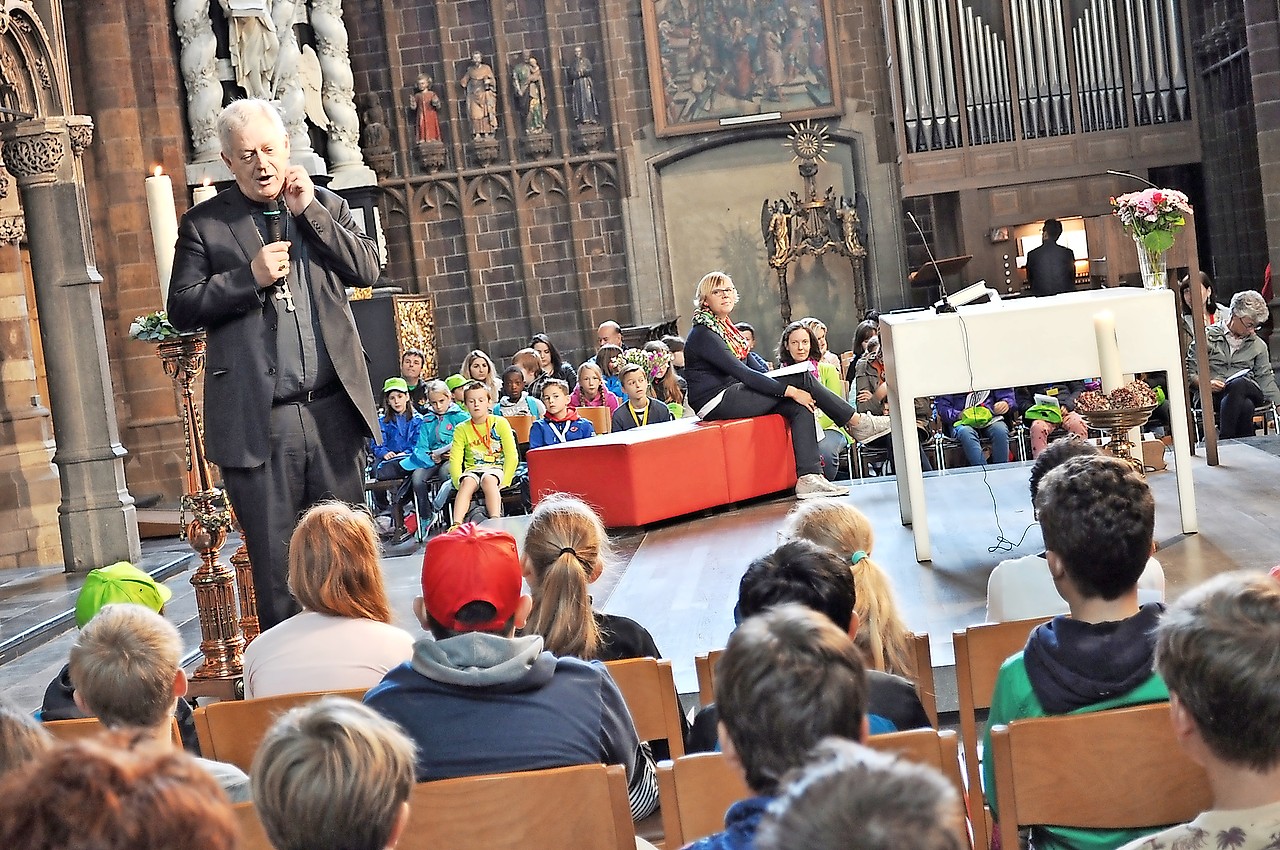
(1021, 342)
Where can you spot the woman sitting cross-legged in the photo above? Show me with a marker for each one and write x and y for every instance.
(728, 382)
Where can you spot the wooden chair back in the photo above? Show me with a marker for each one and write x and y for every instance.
(705, 666)
(252, 835)
(695, 791)
(80, 728)
(938, 750)
(649, 689)
(980, 650)
(599, 417)
(1108, 770)
(584, 806)
(922, 660)
(520, 426)
(231, 730)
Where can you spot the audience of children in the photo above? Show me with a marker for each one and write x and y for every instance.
(333, 774)
(1216, 651)
(848, 795)
(966, 415)
(1097, 515)
(515, 401)
(1024, 588)
(477, 699)
(798, 345)
(561, 423)
(638, 410)
(591, 391)
(840, 527)
(343, 639)
(484, 455)
(400, 424)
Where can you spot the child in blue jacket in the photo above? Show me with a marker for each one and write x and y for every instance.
(561, 424)
(428, 462)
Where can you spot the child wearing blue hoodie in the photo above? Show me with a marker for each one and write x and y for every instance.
(428, 462)
(399, 434)
(561, 424)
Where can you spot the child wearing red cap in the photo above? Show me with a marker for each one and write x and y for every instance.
(477, 699)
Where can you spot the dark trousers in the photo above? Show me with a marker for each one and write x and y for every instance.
(1235, 407)
(317, 453)
(741, 402)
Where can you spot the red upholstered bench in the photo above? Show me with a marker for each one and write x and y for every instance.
(666, 470)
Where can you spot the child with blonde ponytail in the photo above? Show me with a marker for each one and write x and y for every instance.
(845, 530)
(565, 550)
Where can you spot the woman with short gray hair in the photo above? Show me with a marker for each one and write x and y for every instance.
(1239, 365)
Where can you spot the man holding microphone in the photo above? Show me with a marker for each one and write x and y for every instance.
(288, 403)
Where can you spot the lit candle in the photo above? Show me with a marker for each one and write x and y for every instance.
(1104, 327)
(164, 226)
(203, 192)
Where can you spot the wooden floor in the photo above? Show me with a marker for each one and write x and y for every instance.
(682, 581)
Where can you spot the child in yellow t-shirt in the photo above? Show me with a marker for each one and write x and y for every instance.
(484, 454)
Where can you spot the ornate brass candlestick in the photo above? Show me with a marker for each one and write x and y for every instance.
(221, 640)
(1117, 423)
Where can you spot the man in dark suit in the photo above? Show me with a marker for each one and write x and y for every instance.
(288, 404)
(1051, 268)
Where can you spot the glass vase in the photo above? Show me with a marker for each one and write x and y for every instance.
(1153, 265)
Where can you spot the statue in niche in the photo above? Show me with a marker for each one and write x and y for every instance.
(426, 109)
(254, 44)
(531, 93)
(375, 138)
(585, 109)
(481, 88)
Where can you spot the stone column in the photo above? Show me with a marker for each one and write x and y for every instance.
(204, 89)
(346, 163)
(97, 519)
(1262, 25)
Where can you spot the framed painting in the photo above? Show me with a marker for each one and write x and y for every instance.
(715, 65)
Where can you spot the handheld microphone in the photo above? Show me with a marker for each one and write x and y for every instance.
(274, 217)
(945, 306)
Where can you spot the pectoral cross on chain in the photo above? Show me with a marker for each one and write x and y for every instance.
(285, 294)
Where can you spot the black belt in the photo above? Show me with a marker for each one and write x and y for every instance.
(310, 396)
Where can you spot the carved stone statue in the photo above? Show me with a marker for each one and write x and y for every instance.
(849, 222)
(585, 109)
(254, 44)
(531, 93)
(426, 110)
(481, 88)
(375, 138)
(775, 224)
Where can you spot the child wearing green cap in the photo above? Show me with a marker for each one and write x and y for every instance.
(400, 424)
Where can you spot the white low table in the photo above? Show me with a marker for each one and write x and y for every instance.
(1021, 342)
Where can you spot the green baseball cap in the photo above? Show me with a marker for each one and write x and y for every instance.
(120, 582)
(395, 384)
(454, 381)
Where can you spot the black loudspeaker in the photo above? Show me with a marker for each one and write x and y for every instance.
(376, 323)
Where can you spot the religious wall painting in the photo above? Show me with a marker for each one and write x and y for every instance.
(724, 64)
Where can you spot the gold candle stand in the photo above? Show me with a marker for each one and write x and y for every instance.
(222, 643)
(1117, 423)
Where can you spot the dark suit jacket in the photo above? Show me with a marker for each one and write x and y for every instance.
(1051, 269)
(213, 288)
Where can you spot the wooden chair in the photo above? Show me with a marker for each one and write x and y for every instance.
(252, 835)
(922, 660)
(1108, 770)
(599, 417)
(91, 727)
(584, 806)
(980, 650)
(938, 750)
(649, 689)
(705, 665)
(697, 789)
(231, 730)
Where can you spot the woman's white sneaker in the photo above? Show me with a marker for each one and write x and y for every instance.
(870, 427)
(815, 486)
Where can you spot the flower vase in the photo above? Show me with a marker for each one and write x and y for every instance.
(1153, 265)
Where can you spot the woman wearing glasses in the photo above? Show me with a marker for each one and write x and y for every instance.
(1239, 365)
(726, 381)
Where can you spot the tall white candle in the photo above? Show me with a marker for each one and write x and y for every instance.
(164, 226)
(203, 192)
(1104, 327)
